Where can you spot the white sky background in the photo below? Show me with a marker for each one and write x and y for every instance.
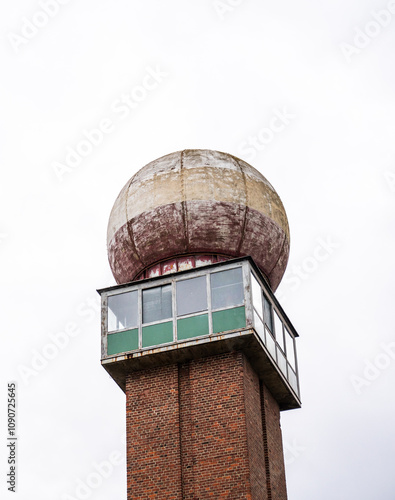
(333, 166)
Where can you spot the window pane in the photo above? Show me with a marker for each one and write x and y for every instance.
(281, 361)
(256, 295)
(270, 344)
(278, 324)
(268, 314)
(157, 304)
(293, 380)
(289, 341)
(122, 311)
(191, 295)
(259, 327)
(227, 288)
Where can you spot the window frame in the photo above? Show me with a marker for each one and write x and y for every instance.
(271, 343)
(248, 269)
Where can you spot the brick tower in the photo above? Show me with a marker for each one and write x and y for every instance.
(198, 241)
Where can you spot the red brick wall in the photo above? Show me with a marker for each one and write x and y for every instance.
(195, 432)
(274, 454)
(254, 433)
(152, 435)
(216, 446)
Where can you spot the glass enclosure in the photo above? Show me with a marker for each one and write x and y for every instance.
(274, 333)
(195, 304)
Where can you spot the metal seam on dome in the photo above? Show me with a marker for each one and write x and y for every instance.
(280, 254)
(183, 201)
(245, 209)
(129, 223)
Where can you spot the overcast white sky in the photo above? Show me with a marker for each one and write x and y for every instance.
(222, 70)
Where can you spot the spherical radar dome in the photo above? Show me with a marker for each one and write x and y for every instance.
(197, 202)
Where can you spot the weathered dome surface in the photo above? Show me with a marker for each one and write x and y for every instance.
(197, 202)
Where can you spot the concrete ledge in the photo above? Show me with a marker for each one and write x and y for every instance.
(246, 341)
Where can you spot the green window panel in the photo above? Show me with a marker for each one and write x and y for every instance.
(122, 341)
(157, 334)
(230, 319)
(192, 327)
